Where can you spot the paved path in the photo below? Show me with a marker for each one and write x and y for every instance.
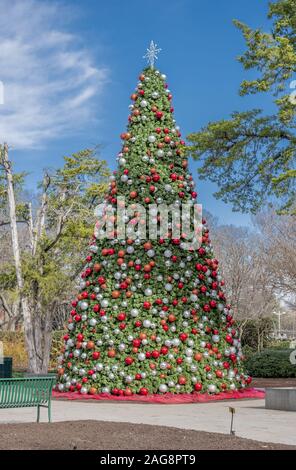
(251, 419)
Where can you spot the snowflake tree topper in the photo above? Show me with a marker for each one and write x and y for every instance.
(151, 54)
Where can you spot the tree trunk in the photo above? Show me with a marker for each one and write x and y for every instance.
(31, 228)
(47, 340)
(42, 340)
(258, 338)
(17, 260)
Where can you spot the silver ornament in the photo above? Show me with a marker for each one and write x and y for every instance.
(122, 161)
(212, 388)
(83, 305)
(151, 253)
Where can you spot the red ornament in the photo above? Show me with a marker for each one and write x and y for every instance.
(121, 316)
(198, 356)
(129, 361)
(182, 380)
(183, 336)
(198, 387)
(229, 338)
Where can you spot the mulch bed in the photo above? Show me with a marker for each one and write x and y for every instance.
(263, 383)
(101, 435)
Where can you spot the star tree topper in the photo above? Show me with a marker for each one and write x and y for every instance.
(151, 54)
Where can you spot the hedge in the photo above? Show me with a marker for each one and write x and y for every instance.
(271, 363)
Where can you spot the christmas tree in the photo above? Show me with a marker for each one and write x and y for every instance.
(151, 316)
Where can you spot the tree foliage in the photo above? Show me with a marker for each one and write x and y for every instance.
(251, 156)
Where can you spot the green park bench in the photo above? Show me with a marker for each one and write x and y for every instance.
(27, 392)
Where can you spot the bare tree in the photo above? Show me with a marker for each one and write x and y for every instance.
(28, 327)
(278, 246)
(248, 285)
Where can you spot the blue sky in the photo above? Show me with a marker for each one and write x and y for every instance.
(69, 68)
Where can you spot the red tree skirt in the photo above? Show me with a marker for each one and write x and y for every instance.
(169, 398)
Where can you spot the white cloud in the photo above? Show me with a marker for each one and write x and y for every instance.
(51, 83)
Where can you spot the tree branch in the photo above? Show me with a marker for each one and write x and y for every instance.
(6, 306)
(2, 224)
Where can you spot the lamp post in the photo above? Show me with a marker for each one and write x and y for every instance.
(279, 314)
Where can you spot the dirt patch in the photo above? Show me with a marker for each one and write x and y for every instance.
(263, 383)
(101, 435)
